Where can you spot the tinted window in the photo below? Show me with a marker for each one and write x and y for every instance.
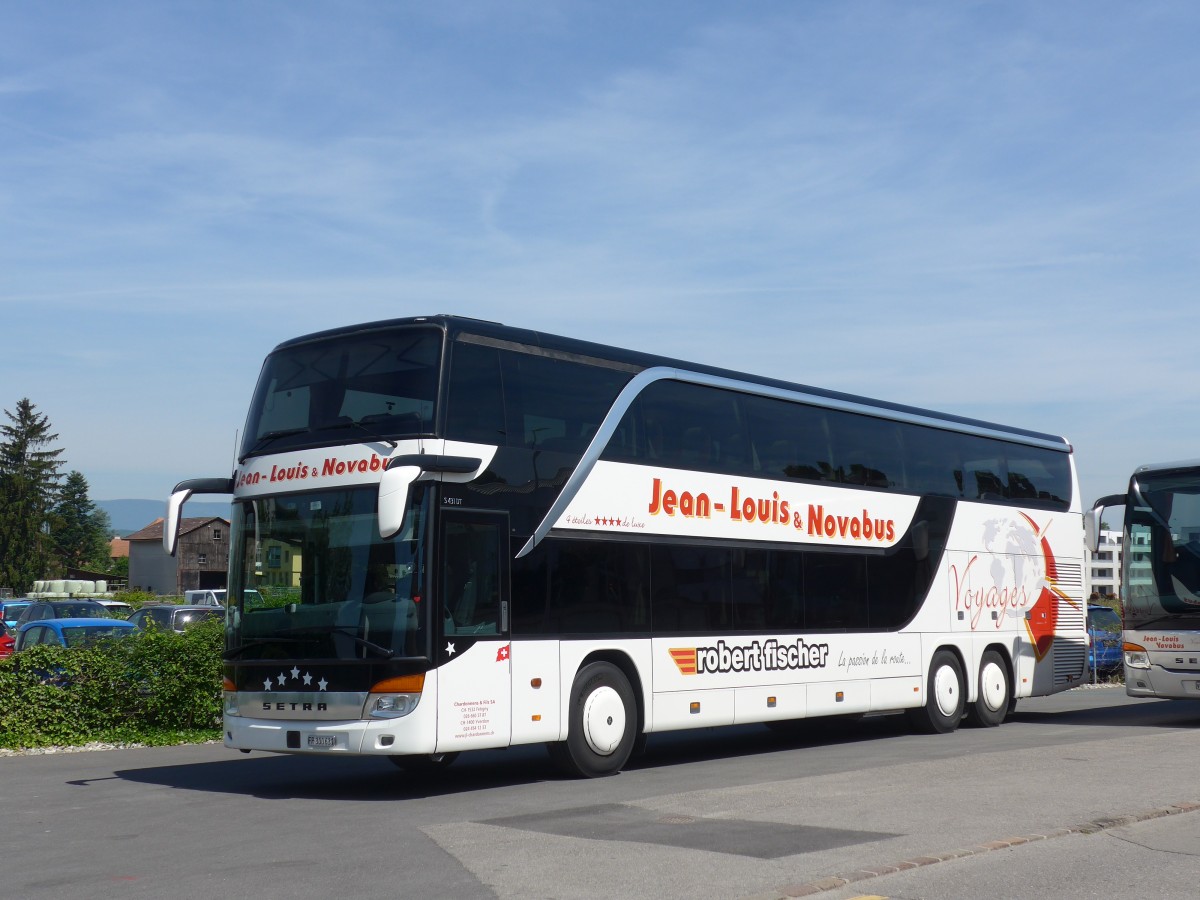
(471, 578)
(691, 588)
(686, 426)
(345, 389)
(577, 587)
(790, 440)
(553, 404)
(526, 400)
(866, 451)
(694, 427)
(475, 402)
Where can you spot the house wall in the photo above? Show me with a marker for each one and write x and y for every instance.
(150, 569)
(203, 556)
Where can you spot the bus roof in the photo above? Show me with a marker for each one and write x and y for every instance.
(457, 325)
(1180, 465)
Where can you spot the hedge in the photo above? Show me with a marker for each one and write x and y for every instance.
(157, 687)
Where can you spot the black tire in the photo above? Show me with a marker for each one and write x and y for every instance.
(424, 763)
(602, 725)
(943, 709)
(995, 692)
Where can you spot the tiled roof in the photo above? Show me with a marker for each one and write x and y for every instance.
(118, 547)
(154, 531)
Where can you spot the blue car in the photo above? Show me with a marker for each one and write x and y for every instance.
(71, 632)
(1104, 640)
(10, 611)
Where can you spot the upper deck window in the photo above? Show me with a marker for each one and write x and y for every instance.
(346, 389)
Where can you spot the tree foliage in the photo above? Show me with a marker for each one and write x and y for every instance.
(80, 530)
(29, 485)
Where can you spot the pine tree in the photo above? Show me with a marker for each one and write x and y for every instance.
(29, 476)
(79, 529)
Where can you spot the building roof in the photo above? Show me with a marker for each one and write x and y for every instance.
(118, 547)
(154, 531)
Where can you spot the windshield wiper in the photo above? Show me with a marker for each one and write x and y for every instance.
(358, 424)
(268, 437)
(260, 642)
(318, 631)
(385, 652)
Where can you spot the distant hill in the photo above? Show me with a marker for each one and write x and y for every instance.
(129, 516)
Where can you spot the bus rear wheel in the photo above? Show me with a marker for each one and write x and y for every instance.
(943, 708)
(995, 692)
(602, 724)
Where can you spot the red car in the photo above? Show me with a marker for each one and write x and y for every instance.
(6, 643)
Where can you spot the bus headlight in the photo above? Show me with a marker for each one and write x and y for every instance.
(1136, 656)
(394, 697)
(391, 706)
(229, 697)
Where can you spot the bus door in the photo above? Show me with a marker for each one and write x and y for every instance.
(474, 673)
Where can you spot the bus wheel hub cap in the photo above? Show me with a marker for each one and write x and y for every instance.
(991, 684)
(945, 690)
(603, 720)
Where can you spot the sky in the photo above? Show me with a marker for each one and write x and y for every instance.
(987, 209)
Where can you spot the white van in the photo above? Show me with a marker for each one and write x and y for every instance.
(205, 598)
(216, 597)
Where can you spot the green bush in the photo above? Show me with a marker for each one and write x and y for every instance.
(153, 688)
(136, 599)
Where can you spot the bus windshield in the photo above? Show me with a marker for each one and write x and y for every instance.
(351, 388)
(318, 582)
(1162, 565)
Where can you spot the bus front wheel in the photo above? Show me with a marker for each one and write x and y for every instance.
(944, 706)
(602, 724)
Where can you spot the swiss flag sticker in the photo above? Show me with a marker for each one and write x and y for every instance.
(502, 654)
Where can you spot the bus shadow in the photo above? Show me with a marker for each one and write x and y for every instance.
(1128, 713)
(280, 776)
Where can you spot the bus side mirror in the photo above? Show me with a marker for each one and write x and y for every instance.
(179, 496)
(171, 524)
(1091, 528)
(1091, 519)
(393, 497)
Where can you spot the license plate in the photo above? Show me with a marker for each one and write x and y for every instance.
(322, 740)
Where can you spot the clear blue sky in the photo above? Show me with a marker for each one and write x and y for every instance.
(991, 209)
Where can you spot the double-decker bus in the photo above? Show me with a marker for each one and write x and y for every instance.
(449, 534)
(1160, 578)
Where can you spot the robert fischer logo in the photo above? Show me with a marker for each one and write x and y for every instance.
(766, 656)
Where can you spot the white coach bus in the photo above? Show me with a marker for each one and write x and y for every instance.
(1160, 578)
(451, 534)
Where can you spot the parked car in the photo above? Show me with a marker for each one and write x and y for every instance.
(176, 618)
(1104, 640)
(60, 609)
(118, 608)
(10, 611)
(7, 641)
(72, 631)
